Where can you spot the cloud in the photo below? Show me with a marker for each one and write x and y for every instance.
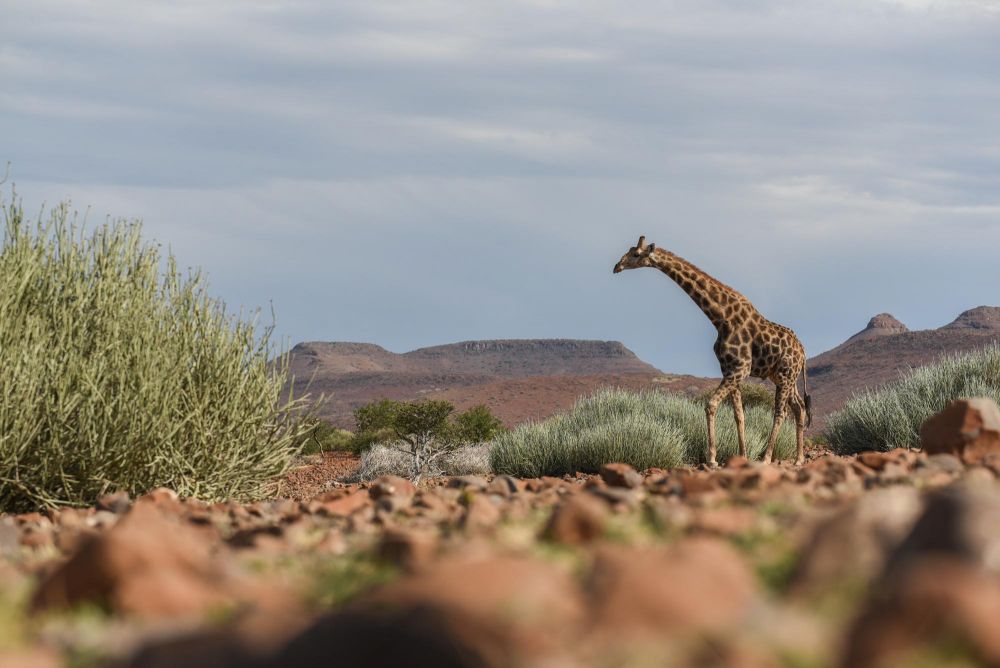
(415, 173)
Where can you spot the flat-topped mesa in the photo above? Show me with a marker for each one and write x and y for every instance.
(532, 357)
(883, 324)
(980, 318)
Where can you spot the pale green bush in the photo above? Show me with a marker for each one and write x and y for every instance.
(119, 373)
(644, 429)
(891, 416)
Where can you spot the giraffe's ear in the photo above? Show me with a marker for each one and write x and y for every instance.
(651, 247)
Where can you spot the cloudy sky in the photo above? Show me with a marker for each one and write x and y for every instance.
(414, 173)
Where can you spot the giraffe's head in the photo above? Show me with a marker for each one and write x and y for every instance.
(637, 256)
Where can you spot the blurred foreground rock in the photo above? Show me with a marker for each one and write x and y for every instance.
(967, 428)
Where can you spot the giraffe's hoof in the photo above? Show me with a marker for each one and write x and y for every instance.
(712, 464)
(800, 461)
(766, 460)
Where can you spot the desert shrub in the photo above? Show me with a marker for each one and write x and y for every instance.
(324, 437)
(751, 393)
(118, 372)
(890, 417)
(644, 429)
(477, 425)
(383, 459)
(424, 432)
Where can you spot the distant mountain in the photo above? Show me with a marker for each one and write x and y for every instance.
(520, 379)
(886, 348)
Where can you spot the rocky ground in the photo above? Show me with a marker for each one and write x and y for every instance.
(883, 559)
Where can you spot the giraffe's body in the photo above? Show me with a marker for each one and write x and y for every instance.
(748, 345)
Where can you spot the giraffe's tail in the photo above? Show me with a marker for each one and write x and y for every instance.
(805, 395)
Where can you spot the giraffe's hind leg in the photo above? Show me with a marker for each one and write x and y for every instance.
(801, 417)
(781, 394)
(737, 399)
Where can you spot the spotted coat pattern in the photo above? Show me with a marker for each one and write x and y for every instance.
(748, 345)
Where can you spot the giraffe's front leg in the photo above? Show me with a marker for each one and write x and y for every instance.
(725, 387)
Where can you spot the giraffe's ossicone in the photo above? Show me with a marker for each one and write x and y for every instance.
(748, 345)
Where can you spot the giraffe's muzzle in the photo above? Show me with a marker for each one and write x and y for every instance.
(617, 269)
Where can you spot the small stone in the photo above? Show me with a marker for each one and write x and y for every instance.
(408, 548)
(474, 482)
(945, 462)
(344, 506)
(618, 497)
(579, 519)
(737, 462)
(480, 513)
(391, 486)
(116, 503)
(621, 475)
(10, 542)
(505, 485)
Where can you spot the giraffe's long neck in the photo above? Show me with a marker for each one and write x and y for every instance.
(711, 296)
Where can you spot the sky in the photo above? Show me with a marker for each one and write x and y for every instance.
(417, 173)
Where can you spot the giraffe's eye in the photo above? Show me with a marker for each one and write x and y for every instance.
(636, 254)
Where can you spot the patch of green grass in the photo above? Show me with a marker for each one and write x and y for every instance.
(340, 579)
(891, 416)
(119, 372)
(645, 429)
(772, 554)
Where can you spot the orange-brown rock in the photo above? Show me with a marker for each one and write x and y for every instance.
(935, 600)
(697, 585)
(498, 611)
(408, 548)
(620, 475)
(967, 428)
(579, 519)
(148, 565)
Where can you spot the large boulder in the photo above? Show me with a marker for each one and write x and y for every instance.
(967, 428)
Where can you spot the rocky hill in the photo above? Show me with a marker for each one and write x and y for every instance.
(519, 379)
(886, 348)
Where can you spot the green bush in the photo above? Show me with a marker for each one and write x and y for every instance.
(644, 429)
(891, 416)
(477, 425)
(324, 437)
(751, 393)
(119, 373)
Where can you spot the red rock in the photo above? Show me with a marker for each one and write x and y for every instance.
(344, 506)
(480, 513)
(147, 565)
(935, 600)
(391, 486)
(692, 484)
(737, 462)
(621, 475)
(698, 585)
(505, 485)
(579, 519)
(117, 503)
(501, 610)
(874, 460)
(163, 498)
(967, 428)
(407, 548)
(855, 542)
(725, 520)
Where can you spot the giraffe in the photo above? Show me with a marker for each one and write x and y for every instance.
(748, 345)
